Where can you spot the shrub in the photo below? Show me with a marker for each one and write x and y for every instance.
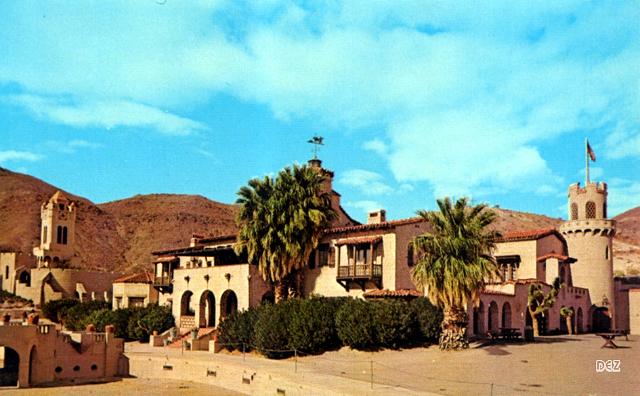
(429, 319)
(395, 323)
(238, 328)
(355, 324)
(77, 317)
(56, 310)
(154, 318)
(118, 318)
(312, 327)
(271, 331)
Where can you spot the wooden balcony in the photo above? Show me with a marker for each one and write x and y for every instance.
(163, 283)
(360, 273)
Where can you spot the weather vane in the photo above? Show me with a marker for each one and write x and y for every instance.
(316, 141)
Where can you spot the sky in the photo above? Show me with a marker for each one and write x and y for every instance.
(416, 100)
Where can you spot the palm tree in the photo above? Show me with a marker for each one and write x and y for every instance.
(281, 222)
(567, 314)
(455, 263)
(538, 303)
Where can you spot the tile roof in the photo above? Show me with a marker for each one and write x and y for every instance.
(385, 293)
(358, 240)
(527, 235)
(497, 293)
(142, 277)
(558, 256)
(376, 226)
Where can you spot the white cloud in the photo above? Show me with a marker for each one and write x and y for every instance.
(367, 182)
(16, 155)
(365, 206)
(623, 195)
(377, 146)
(464, 93)
(71, 146)
(110, 114)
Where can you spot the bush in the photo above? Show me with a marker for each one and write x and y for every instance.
(56, 310)
(118, 318)
(77, 317)
(238, 328)
(153, 318)
(271, 331)
(429, 319)
(355, 325)
(395, 323)
(312, 327)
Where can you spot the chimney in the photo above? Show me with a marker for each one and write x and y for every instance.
(195, 238)
(377, 217)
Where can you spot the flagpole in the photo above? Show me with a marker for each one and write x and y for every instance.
(586, 160)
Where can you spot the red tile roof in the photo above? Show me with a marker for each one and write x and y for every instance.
(527, 235)
(376, 226)
(385, 293)
(497, 293)
(558, 256)
(359, 240)
(142, 277)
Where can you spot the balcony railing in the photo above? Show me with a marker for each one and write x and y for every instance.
(187, 321)
(164, 280)
(360, 271)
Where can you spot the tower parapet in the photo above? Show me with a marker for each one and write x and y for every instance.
(589, 235)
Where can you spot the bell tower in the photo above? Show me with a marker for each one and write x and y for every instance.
(589, 235)
(57, 232)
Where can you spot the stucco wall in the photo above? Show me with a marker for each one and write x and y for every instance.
(124, 291)
(527, 250)
(634, 311)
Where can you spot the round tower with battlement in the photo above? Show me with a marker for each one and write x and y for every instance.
(589, 235)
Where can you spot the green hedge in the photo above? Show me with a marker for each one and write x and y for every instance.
(319, 324)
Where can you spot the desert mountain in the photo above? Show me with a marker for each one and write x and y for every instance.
(120, 235)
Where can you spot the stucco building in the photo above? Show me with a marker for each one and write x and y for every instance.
(206, 281)
(52, 272)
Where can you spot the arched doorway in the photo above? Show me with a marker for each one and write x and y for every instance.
(601, 321)
(493, 316)
(228, 303)
(579, 321)
(207, 309)
(506, 315)
(185, 304)
(563, 323)
(478, 315)
(9, 367)
(25, 278)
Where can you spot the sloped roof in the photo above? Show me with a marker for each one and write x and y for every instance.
(528, 235)
(385, 293)
(142, 277)
(59, 196)
(359, 240)
(375, 226)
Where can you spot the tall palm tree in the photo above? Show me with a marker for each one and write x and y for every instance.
(281, 222)
(455, 262)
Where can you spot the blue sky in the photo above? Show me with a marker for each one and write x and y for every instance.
(416, 100)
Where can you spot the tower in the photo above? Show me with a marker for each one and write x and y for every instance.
(57, 232)
(589, 235)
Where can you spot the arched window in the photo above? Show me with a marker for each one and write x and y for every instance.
(45, 231)
(562, 274)
(606, 253)
(59, 234)
(574, 211)
(604, 210)
(64, 235)
(591, 210)
(6, 272)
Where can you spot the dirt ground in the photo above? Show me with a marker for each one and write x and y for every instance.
(129, 387)
(553, 365)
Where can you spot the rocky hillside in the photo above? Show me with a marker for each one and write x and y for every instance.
(120, 235)
(152, 222)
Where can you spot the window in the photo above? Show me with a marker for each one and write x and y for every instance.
(591, 210)
(6, 272)
(362, 251)
(574, 211)
(606, 253)
(323, 254)
(59, 234)
(45, 231)
(410, 256)
(118, 302)
(64, 235)
(61, 206)
(136, 302)
(604, 210)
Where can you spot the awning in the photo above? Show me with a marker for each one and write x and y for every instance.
(359, 240)
(165, 259)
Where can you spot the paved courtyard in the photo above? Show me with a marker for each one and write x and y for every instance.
(554, 365)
